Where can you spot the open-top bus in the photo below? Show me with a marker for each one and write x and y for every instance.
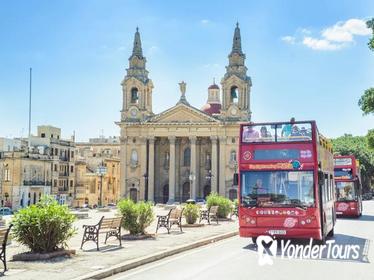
(286, 183)
(348, 186)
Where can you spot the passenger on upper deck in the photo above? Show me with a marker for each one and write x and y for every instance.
(249, 134)
(287, 128)
(264, 132)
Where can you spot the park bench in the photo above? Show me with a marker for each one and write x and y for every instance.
(109, 226)
(4, 233)
(209, 214)
(174, 217)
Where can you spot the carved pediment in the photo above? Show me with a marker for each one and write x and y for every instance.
(182, 113)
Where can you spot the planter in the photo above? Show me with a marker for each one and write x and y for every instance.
(43, 256)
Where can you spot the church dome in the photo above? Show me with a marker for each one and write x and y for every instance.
(214, 86)
(213, 108)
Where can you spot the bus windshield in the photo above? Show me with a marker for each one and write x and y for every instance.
(345, 191)
(277, 189)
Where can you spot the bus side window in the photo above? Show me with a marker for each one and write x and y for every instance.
(325, 188)
(331, 187)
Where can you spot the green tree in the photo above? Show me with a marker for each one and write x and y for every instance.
(370, 24)
(366, 101)
(358, 146)
(370, 138)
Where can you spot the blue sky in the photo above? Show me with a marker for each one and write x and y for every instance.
(306, 59)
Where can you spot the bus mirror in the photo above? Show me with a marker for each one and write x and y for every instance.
(321, 178)
(235, 179)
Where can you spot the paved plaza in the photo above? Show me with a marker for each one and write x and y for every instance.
(89, 260)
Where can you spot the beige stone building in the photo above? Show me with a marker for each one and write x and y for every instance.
(89, 183)
(183, 152)
(62, 153)
(97, 153)
(24, 178)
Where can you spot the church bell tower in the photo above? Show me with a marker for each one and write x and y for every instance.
(236, 85)
(136, 86)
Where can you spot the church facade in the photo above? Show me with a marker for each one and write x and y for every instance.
(183, 152)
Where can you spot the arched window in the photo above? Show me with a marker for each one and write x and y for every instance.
(187, 157)
(134, 95)
(166, 160)
(233, 156)
(134, 157)
(234, 93)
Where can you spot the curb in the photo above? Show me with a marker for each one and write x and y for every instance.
(130, 264)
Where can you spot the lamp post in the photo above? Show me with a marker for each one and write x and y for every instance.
(145, 186)
(101, 171)
(192, 178)
(236, 175)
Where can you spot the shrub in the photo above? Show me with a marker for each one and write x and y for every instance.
(136, 216)
(44, 227)
(191, 213)
(224, 204)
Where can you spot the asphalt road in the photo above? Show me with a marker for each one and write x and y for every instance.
(237, 258)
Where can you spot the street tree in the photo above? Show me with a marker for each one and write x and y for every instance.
(359, 147)
(366, 102)
(370, 24)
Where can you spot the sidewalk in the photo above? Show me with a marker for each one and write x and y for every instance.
(89, 260)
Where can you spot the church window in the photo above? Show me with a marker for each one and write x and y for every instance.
(233, 156)
(134, 157)
(134, 95)
(234, 93)
(166, 160)
(187, 157)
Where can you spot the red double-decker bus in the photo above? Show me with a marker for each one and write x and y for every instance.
(348, 186)
(286, 181)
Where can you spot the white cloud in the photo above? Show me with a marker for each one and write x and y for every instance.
(321, 44)
(336, 37)
(344, 31)
(289, 39)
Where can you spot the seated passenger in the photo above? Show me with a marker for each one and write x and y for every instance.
(295, 131)
(264, 132)
(249, 134)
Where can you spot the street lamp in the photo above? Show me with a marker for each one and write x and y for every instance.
(192, 178)
(236, 175)
(101, 171)
(146, 186)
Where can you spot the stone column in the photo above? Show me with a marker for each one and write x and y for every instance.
(193, 168)
(123, 170)
(151, 169)
(143, 166)
(214, 165)
(222, 165)
(172, 165)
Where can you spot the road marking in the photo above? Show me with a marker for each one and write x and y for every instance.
(176, 257)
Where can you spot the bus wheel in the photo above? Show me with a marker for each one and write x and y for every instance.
(331, 233)
(254, 239)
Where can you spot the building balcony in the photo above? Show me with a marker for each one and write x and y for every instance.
(63, 189)
(37, 183)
